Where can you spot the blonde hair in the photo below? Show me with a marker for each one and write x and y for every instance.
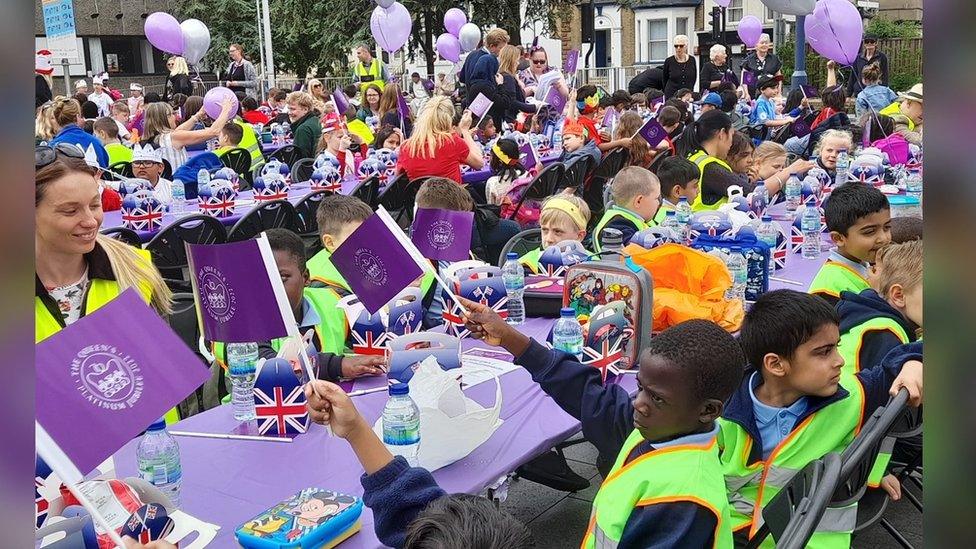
(631, 182)
(681, 38)
(179, 66)
(156, 121)
(495, 37)
(834, 134)
(766, 151)
(133, 270)
(45, 127)
(900, 264)
(508, 59)
(301, 99)
(552, 216)
(389, 101)
(65, 110)
(434, 127)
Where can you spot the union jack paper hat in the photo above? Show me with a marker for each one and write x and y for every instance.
(371, 334)
(410, 350)
(141, 211)
(711, 223)
(228, 175)
(326, 178)
(270, 187)
(134, 184)
(218, 199)
(483, 285)
(555, 259)
(371, 167)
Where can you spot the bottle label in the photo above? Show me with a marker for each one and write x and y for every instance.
(404, 434)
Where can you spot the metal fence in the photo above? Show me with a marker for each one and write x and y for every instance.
(610, 78)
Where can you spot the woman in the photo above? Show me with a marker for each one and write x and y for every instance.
(179, 78)
(388, 137)
(706, 142)
(45, 127)
(78, 270)
(444, 86)
(388, 110)
(70, 124)
(763, 62)
(714, 70)
(163, 133)
(435, 149)
(510, 99)
(242, 78)
(769, 166)
(680, 70)
(305, 125)
(371, 105)
(539, 66)
(317, 90)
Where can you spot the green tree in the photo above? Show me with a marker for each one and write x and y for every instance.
(229, 21)
(886, 28)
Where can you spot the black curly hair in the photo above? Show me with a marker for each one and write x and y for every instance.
(706, 351)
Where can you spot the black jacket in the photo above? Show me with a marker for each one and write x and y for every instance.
(42, 92)
(856, 309)
(678, 75)
(178, 83)
(854, 85)
(509, 101)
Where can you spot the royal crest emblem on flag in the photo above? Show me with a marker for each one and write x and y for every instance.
(141, 211)
(279, 400)
(270, 187)
(218, 200)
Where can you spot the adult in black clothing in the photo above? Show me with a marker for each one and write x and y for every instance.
(869, 54)
(762, 62)
(680, 70)
(42, 77)
(706, 142)
(477, 73)
(650, 78)
(179, 78)
(713, 71)
(509, 97)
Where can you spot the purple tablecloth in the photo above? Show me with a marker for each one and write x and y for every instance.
(266, 148)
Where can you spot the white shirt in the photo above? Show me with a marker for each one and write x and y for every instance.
(163, 191)
(123, 132)
(104, 102)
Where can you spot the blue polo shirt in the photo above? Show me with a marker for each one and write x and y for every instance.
(774, 423)
(764, 112)
(860, 268)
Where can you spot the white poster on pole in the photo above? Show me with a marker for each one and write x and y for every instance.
(59, 27)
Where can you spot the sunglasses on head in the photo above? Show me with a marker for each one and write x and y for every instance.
(46, 154)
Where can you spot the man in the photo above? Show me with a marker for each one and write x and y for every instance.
(242, 78)
(419, 91)
(649, 78)
(478, 69)
(147, 164)
(870, 55)
(368, 70)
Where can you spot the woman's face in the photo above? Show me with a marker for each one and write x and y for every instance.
(720, 58)
(763, 46)
(681, 47)
(68, 217)
(171, 119)
(766, 168)
(316, 88)
(296, 111)
(539, 61)
(392, 142)
(373, 98)
(169, 65)
(829, 150)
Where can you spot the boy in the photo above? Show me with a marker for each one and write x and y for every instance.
(229, 138)
(337, 217)
(764, 114)
(670, 119)
(147, 163)
(586, 106)
(859, 219)
(563, 217)
(793, 406)
(877, 320)
(636, 197)
(679, 179)
(107, 131)
(664, 440)
(120, 113)
(314, 309)
(710, 102)
(905, 229)
(409, 509)
(577, 142)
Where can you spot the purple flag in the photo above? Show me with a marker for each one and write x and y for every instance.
(809, 91)
(800, 128)
(610, 117)
(479, 107)
(402, 107)
(108, 376)
(340, 100)
(443, 234)
(235, 291)
(572, 60)
(749, 78)
(729, 76)
(375, 262)
(653, 132)
(527, 155)
(656, 103)
(556, 100)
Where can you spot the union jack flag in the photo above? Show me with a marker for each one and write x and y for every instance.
(483, 291)
(796, 239)
(267, 195)
(41, 503)
(365, 343)
(780, 252)
(607, 357)
(218, 206)
(142, 215)
(278, 414)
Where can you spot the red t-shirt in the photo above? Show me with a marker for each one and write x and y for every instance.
(255, 117)
(446, 161)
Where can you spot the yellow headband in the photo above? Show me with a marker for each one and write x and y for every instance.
(568, 208)
(507, 160)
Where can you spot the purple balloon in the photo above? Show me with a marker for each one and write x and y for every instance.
(164, 32)
(391, 27)
(454, 19)
(834, 30)
(449, 47)
(213, 99)
(749, 30)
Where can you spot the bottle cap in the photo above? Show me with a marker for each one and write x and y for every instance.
(399, 389)
(669, 213)
(612, 237)
(767, 218)
(158, 425)
(567, 312)
(511, 255)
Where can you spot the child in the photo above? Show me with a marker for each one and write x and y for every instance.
(314, 309)
(336, 141)
(859, 219)
(764, 114)
(639, 103)
(685, 95)
(577, 142)
(670, 119)
(905, 229)
(769, 166)
(135, 99)
(740, 157)
(409, 509)
(230, 137)
(874, 96)
(107, 131)
(337, 217)
(120, 113)
(486, 131)
(890, 314)
(564, 217)
(663, 441)
(636, 197)
(587, 104)
(793, 407)
(507, 170)
(828, 148)
(679, 179)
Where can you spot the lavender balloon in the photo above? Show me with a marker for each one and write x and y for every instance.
(391, 27)
(469, 36)
(454, 19)
(385, 4)
(749, 30)
(834, 30)
(214, 98)
(791, 7)
(164, 32)
(449, 47)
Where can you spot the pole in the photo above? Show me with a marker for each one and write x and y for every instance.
(65, 64)
(800, 55)
(269, 49)
(257, 11)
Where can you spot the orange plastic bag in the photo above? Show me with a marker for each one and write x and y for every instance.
(688, 284)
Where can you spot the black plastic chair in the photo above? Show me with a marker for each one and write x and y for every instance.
(308, 225)
(122, 234)
(368, 191)
(169, 251)
(543, 186)
(287, 155)
(656, 163)
(183, 321)
(167, 170)
(399, 198)
(239, 160)
(264, 216)
(301, 170)
(522, 243)
(123, 168)
(575, 175)
(595, 192)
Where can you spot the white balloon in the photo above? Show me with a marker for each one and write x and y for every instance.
(385, 4)
(791, 7)
(469, 36)
(196, 40)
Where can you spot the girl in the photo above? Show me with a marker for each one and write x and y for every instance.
(336, 141)
(769, 166)
(564, 217)
(388, 137)
(437, 148)
(640, 153)
(507, 170)
(874, 96)
(879, 132)
(162, 131)
(739, 156)
(829, 146)
(389, 109)
(371, 105)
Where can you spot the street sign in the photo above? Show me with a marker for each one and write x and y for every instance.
(59, 26)
(868, 4)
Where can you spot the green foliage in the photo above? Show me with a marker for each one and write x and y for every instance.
(229, 21)
(886, 28)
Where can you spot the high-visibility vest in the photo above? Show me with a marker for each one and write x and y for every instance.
(690, 472)
(531, 260)
(751, 486)
(375, 70)
(320, 267)
(703, 159)
(117, 152)
(834, 278)
(895, 108)
(852, 340)
(612, 213)
(662, 212)
(249, 141)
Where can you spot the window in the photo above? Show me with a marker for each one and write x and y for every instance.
(681, 26)
(770, 14)
(734, 12)
(657, 39)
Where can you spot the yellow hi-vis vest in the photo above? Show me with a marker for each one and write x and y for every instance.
(375, 70)
(249, 141)
(834, 278)
(702, 159)
(851, 341)
(612, 213)
(689, 472)
(895, 108)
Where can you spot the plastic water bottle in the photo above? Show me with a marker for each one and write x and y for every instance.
(793, 191)
(514, 286)
(567, 335)
(671, 223)
(739, 268)
(682, 212)
(913, 183)
(760, 198)
(242, 361)
(158, 456)
(401, 424)
(557, 142)
(810, 227)
(843, 166)
(203, 179)
(767, 233)
(613, 243)
(285, 130)
(179, 196)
